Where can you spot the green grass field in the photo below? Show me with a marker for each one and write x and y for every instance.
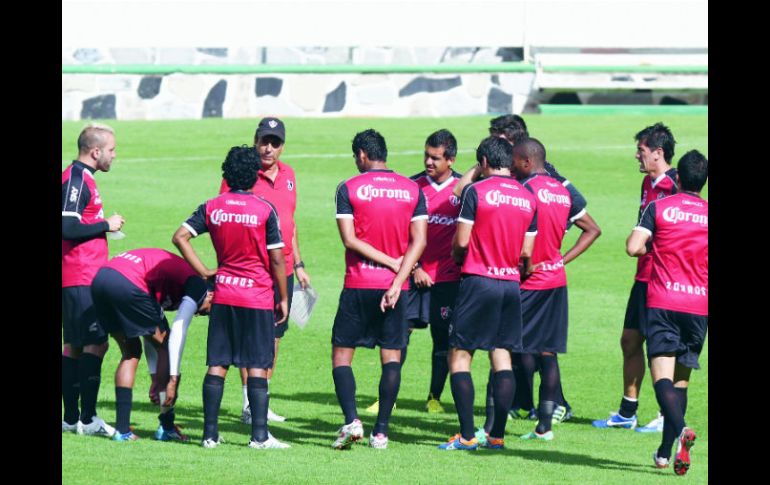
(165, 169)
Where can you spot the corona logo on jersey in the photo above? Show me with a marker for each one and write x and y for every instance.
(441, 220)
(369, 192)
(545, 196)
(496, 198)
(676, 215)
(218, 216)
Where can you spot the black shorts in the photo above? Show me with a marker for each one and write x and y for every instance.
(418, 306)
(79, 324)
(544, 316)
(121, 306)
(678, 333)
(636, 309)
(282, 328)
(487, 315)
(360, 322)
(243, 337)
(432, 305)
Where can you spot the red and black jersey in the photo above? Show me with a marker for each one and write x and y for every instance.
(443, 209)
(556, 210)
(383, 205)
(678, 225)
(243, 227)
(158, 272)
(81, 258)
(663, 186)
(502, 212)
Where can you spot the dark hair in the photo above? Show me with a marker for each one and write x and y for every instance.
(693, 170)
(240, 167)
(532, 149)
(443, 138)
(658, 136)
(510, 127)
(498, 152)
(372, 143)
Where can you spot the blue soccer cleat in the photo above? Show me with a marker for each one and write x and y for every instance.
(170, 435)
(130, 436)
(616, 421)
(457, 442)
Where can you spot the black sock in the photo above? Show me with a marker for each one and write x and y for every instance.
(505, 386)
(549, 391)
(489, 408)
(89, 375)
(123, 399)
(669, 436)
(524, 368)
(390, 382)
(167, 419)
(461, 384)
(213, 388)
(544, 415)
(668, 399)
(403, 354)
(438, 373)
(70, 389)
(345, 387)
(560, 399)
(628, 408)
(256, 390)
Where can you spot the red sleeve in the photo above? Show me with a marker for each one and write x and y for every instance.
(224, 187)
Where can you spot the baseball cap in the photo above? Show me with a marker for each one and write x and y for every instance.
(271, 126)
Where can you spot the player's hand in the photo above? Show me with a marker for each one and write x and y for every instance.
(208, 273)
(302, 277)
(170, 392)
(115, 222)
(390, 298)
(422, 279)
(154, 397)
(282, 311)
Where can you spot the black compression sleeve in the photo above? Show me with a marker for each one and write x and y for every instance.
(71, 228)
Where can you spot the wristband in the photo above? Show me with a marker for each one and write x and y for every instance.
(301, 264)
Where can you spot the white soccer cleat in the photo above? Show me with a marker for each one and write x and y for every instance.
(654, 426)
(271, 416)
(211, 443)
(97, 427)
(378, 441)
(70, 428)
(246, 416)
(269, 443)
(348, 434)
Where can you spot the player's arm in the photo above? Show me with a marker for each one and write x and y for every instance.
(470, 176)
(527, 247)
(460, 242)
(636, 244)
(74, 202)
(192, 227)
(277, 263)
(418, 231)
(299, 266)
(590, 232)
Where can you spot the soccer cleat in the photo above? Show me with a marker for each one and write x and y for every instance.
(70, 428)
(212, 443)
(616, 421)
(561, 414)
(269, 443)
(654, 426)
(659, 461)
(519, 413)
(481, 436)
(348, 434)
(271, 416)
(130, 436)
(378, 441)
(493, 443)
(97, 427)
(683, 444)
(534, 435)
(170, 435)
(434, 406)
(457, 442)
(375, 407)
(246, 416)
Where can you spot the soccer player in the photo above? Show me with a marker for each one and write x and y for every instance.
(246, 237)
(495, 233)
(131, 293)
(277, 184)
(83, 252)
(677, 299)
(382, 220)
(654, 151)
(544, 289)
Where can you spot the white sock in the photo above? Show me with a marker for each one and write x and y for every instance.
(245, 398)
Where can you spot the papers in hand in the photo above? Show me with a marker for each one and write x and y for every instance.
(302, 303)
(115, 235)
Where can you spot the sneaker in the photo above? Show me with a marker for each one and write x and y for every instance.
(616, 421)
(130, 436)
(481, 436)
(269, 443)
(520, 413)
(97, 427)
(457, 442)
(659, 461)
(434, 406)
(348, 434)
(561, 414)
(493, 443)
(375, 407)
(683, 444)
(534, 435)
(378, 441)
(246, 416)
(170, 435)
(212, 443)
(271, 416)
(71, 428)
(654, 426)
